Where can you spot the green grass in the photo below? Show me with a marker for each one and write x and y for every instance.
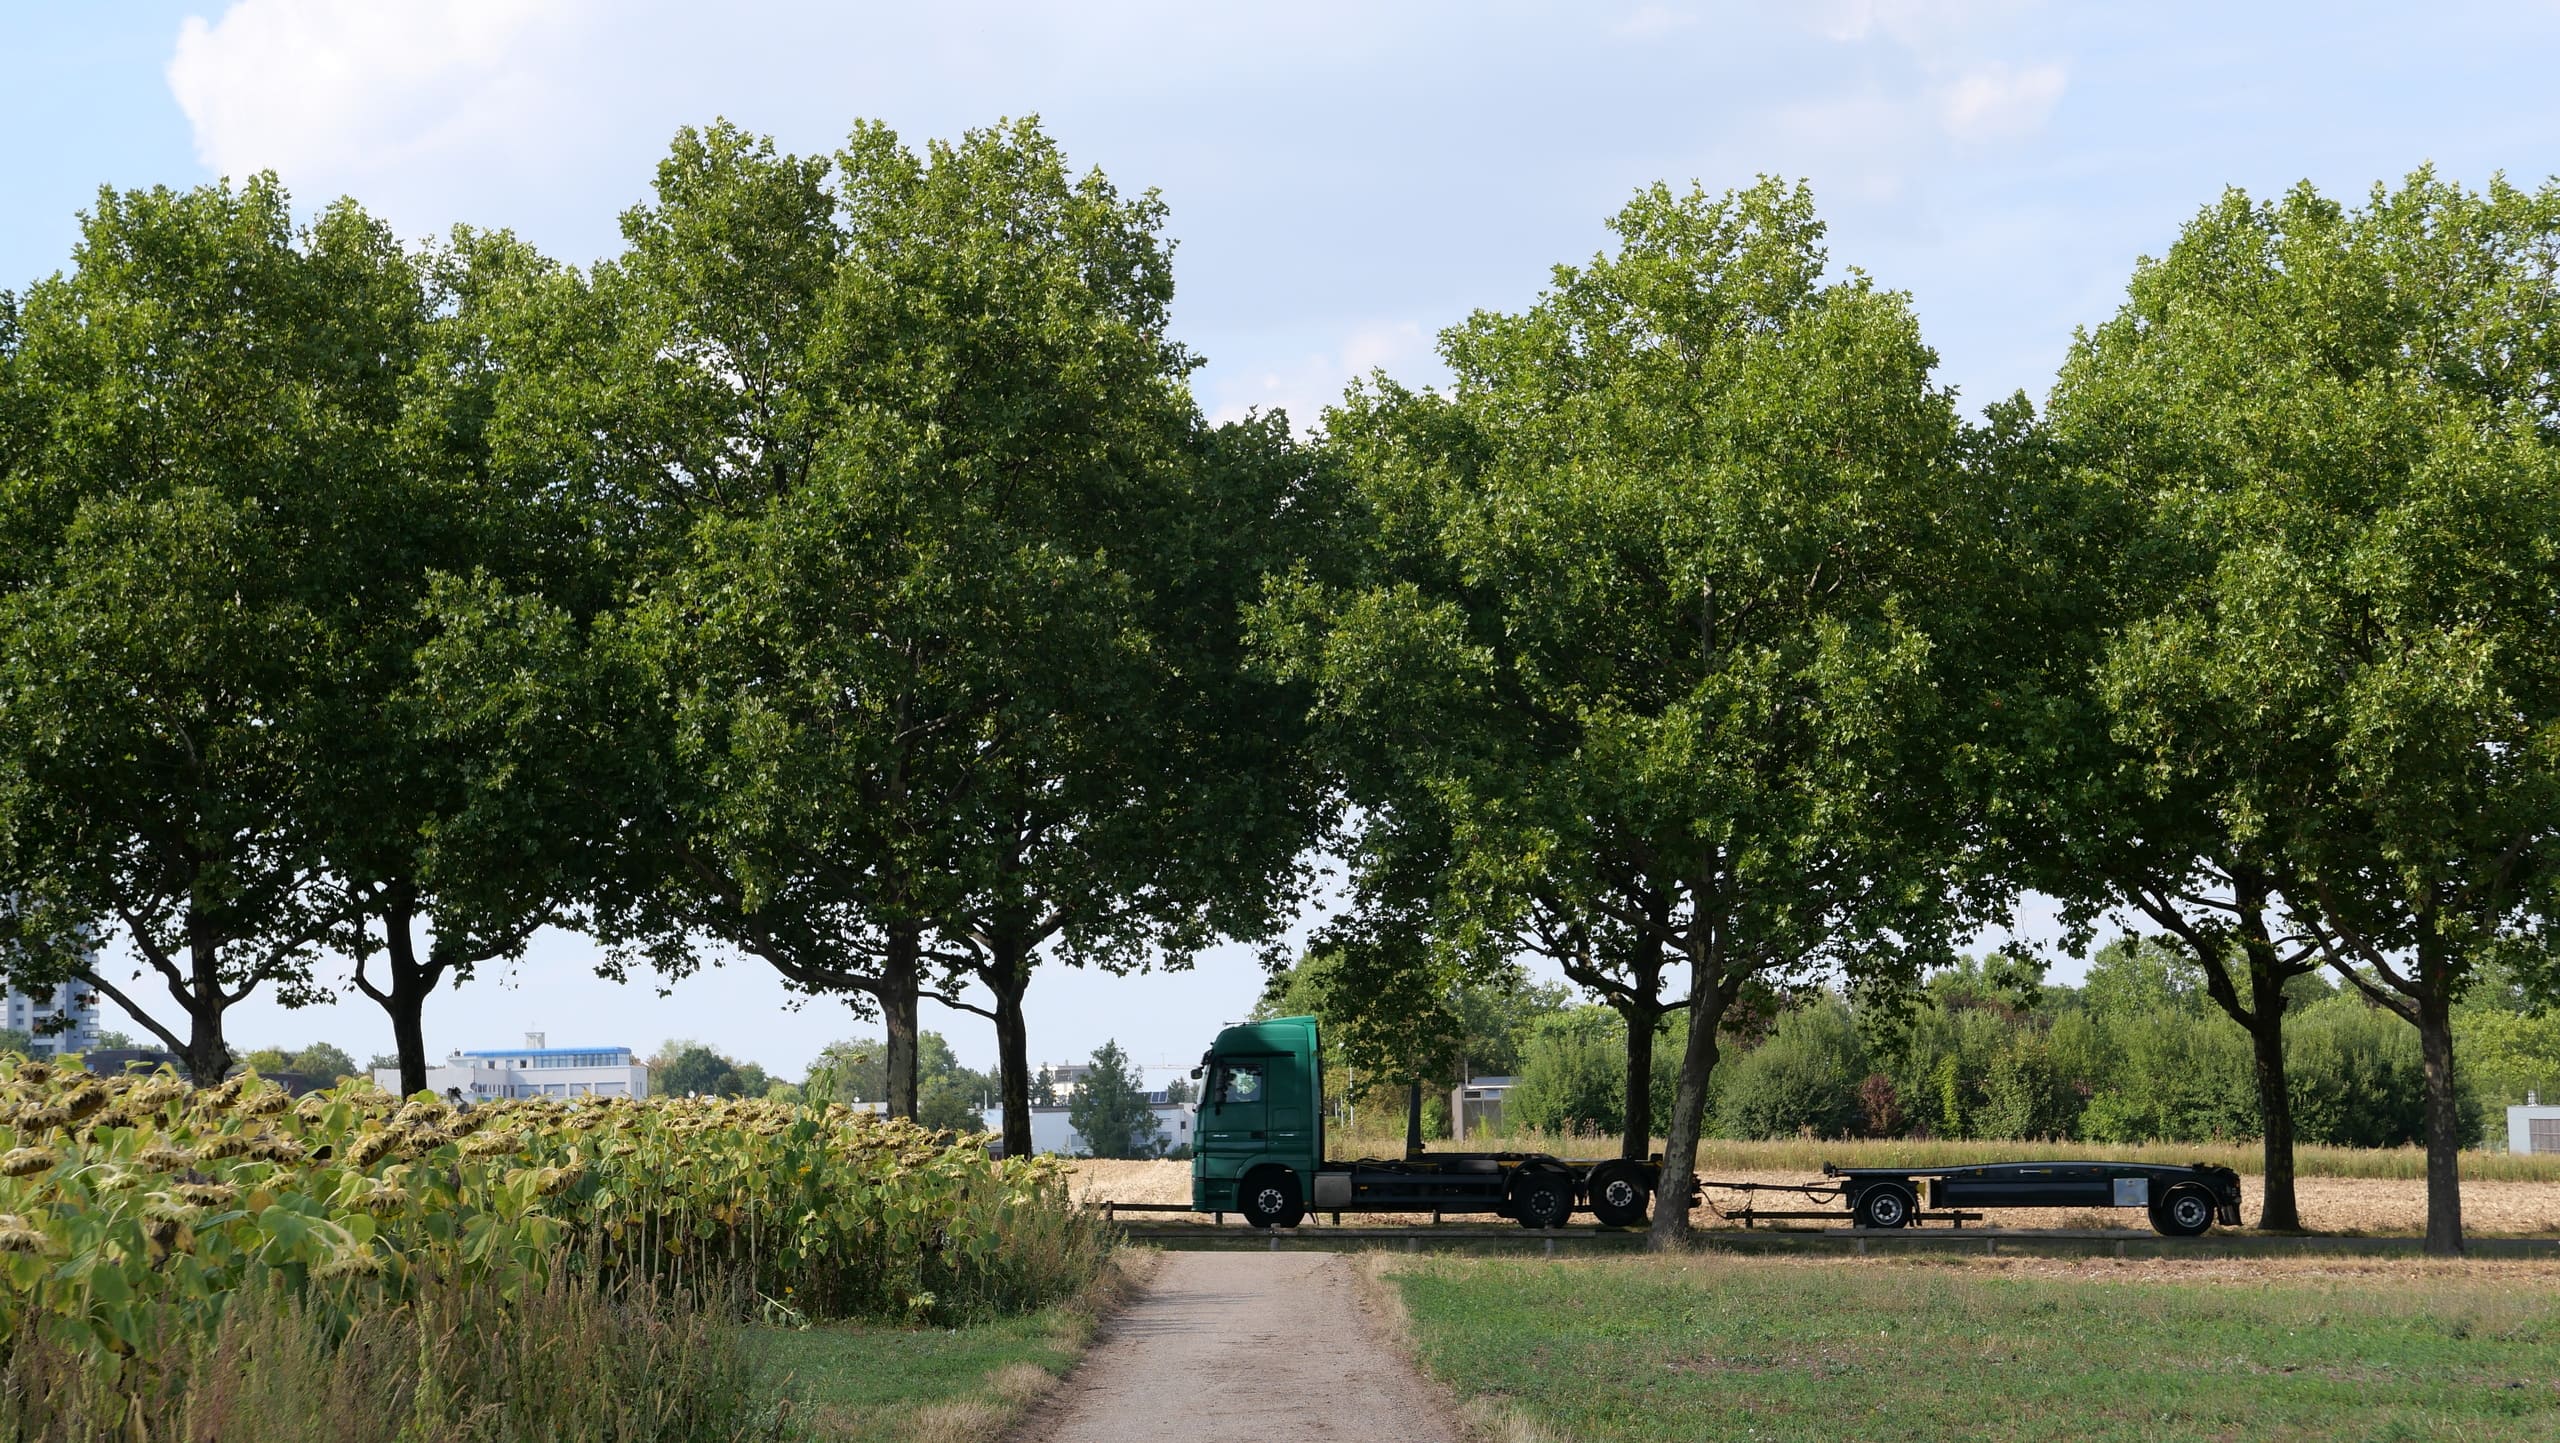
(1805, 1155)
(880, 1384)
(1726, 1348)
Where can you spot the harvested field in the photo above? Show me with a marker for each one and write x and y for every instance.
(2329, 1204)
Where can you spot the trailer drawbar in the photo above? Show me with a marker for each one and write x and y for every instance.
(1258, 1150)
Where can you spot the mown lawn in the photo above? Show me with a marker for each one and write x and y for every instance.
(1730, 1348)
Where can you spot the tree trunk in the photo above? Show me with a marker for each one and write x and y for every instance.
(2444, 1137)
(1637, 1141)
(2276, 1207)
(1009, 980)
(207, 1057)
(412, 982)
(1708, 997)
(899, 983)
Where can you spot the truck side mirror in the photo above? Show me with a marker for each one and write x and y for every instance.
(1196, 1072)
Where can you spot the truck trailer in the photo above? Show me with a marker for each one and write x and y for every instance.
(1258, 1150)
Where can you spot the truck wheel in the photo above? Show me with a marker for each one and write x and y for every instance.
(1619, 1196)
(2185, 1212)
(1542, 1199)
(1886, 1205)
(1269, 1198)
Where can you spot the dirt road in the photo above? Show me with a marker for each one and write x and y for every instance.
(1242, 1346)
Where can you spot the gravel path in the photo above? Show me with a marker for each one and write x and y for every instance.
(1243, 1346)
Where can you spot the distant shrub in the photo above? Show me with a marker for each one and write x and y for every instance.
(1802, 1080)
(1573, 1075)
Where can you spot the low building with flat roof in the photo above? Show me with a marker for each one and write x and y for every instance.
(533, 1070)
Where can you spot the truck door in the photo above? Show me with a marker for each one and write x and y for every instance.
(1235, 1117)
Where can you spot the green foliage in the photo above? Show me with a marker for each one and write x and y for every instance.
(1803, 1080)
(1573, 1074)
(132, 1203)
(948, 1095)
(1110, 1110)
(16, 1040)
(1644, 647)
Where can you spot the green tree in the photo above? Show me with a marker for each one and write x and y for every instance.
(324, 1061)
(1110, 1111)
(1129, 789)
(948, 1094)
(2346, 418)
(1661, 642)
(682, 1067)
(469, 748)
(14, 1039)
(200, 417)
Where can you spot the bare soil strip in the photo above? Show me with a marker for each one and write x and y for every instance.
(1243, 1348)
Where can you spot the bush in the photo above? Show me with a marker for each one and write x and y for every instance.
(1804, 1079)
(1573, 1075)
(2358, 1079)
(2025, 1096)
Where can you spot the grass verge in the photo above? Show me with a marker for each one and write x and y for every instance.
(879, 1384)
(1712, 1347)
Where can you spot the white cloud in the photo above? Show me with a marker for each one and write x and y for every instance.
(1993, 101)
(323, 90)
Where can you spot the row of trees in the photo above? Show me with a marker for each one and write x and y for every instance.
(842, 576)
(1691, 639)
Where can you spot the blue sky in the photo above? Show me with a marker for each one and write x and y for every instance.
(1344, 180)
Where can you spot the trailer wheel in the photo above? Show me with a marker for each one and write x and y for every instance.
(1618, 1195)
(1542, 1199)
(2184, 1212)
(1886, 1205)
(1268, 1198)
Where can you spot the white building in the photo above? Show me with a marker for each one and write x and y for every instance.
(2534, 1127)
(34, 1012)
(533, 1070)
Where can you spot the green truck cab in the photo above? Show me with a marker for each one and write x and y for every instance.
(1258, 1149)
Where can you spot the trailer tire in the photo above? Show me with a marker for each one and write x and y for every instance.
(2184, 1211)
(1618, 1194)
(1268, 1198)
(1542, 1199)
(1887, 1205)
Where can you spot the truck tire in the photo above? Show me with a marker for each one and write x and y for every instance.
(1887, 1205)
(1268, 1198)
(1542, 1199)
(1618, 1194)
(2184, 1211)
